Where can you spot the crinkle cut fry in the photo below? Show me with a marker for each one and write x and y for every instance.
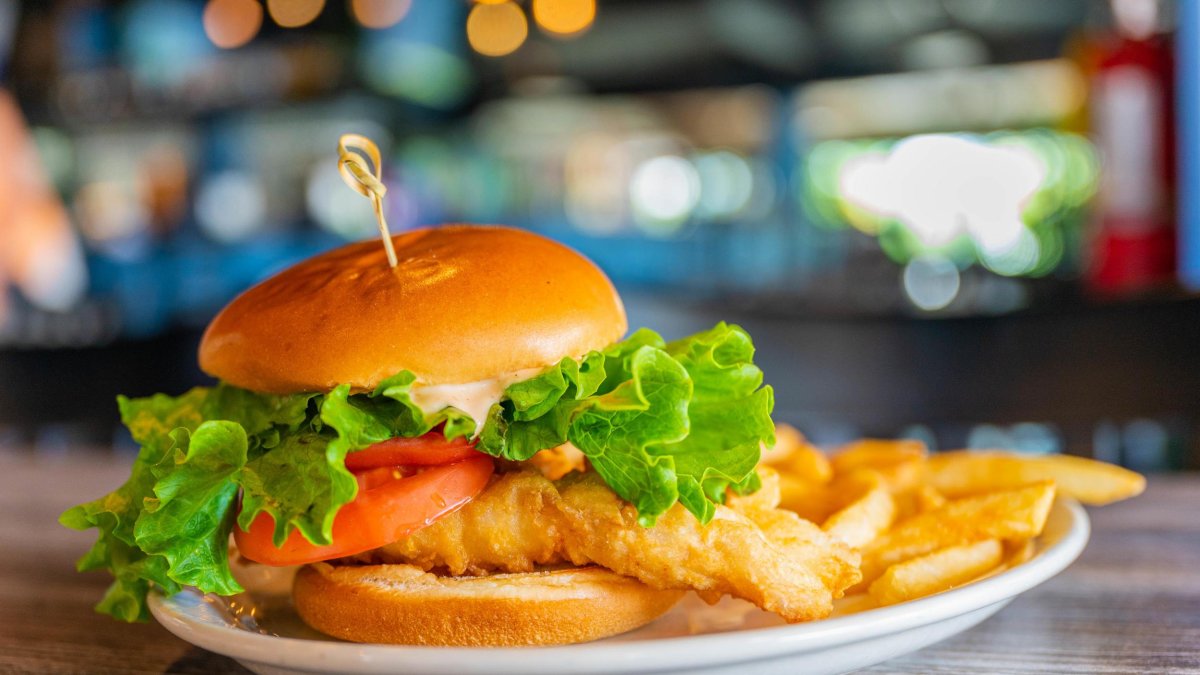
(769, 557)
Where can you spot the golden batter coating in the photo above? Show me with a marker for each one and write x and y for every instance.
(750, 549)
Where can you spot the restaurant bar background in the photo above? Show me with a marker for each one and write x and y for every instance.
(971, 222)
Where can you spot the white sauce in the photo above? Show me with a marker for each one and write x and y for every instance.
(473, 398)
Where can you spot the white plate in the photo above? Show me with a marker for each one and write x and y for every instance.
(261, 631)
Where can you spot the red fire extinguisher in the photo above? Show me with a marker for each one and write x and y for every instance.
(1132, 119)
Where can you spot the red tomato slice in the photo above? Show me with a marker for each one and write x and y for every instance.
(373, 478)
(385, 510)
(429, 450)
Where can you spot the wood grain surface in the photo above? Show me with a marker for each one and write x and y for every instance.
(1131, 604)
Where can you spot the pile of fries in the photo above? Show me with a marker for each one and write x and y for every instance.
(925, 523)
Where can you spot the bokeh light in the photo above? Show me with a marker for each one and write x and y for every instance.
(496, 29)
(231, 206)
(564, 17)
(1013, 201)
(941, 186)
(294, 13)
(232, 23)
(109, 211)
(1147, 444)
(379, 13)
(1021, 257)
(931, 282)
(163, 180)
(1031, 438)
(663, 192)
(336, 209)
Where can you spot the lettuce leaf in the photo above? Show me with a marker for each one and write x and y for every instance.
(300, 483)
(195, 496)
(150, 421)
(169, 524)
(730, 418)
(660, 422)
(623, 433)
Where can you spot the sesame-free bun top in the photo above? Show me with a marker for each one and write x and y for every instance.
(466, 303)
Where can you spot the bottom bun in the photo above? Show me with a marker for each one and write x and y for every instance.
(401, 604)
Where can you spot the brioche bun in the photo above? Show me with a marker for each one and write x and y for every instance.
(466, 303)
(401, 604)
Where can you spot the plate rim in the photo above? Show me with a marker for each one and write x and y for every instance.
(680, 652)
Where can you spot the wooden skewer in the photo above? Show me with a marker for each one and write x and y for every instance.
(357, 174)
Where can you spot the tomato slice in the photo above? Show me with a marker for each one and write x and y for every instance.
(373, 478)
(429, 450)
(386, 509)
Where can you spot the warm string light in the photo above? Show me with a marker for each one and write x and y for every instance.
(294, 13)
(564, 18)
(379, 13)
(500, 27)
(354, 151)
(232, 23)
(496, 29)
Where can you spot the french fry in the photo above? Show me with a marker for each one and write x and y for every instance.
(928, 498)
(853, 604)
(1018, 551)
(922, 524)
(847, 488)
(811, 501)
(936, 572)
(900, 462)
(817, 502)
(919, 499)
(1091, 482)
(877, 453)
(863, 520)
(554, 463)
(810, 464)
(793, 455)
(1012, 514)
(904, 476)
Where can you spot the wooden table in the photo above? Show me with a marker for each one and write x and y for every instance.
(1131, 604)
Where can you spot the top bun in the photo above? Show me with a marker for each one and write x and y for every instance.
(466, 303)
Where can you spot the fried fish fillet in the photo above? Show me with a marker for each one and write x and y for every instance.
(749, 550)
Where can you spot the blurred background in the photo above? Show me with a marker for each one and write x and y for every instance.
(972, 222)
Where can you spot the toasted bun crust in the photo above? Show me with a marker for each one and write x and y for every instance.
(401, 604)
(466, 303)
